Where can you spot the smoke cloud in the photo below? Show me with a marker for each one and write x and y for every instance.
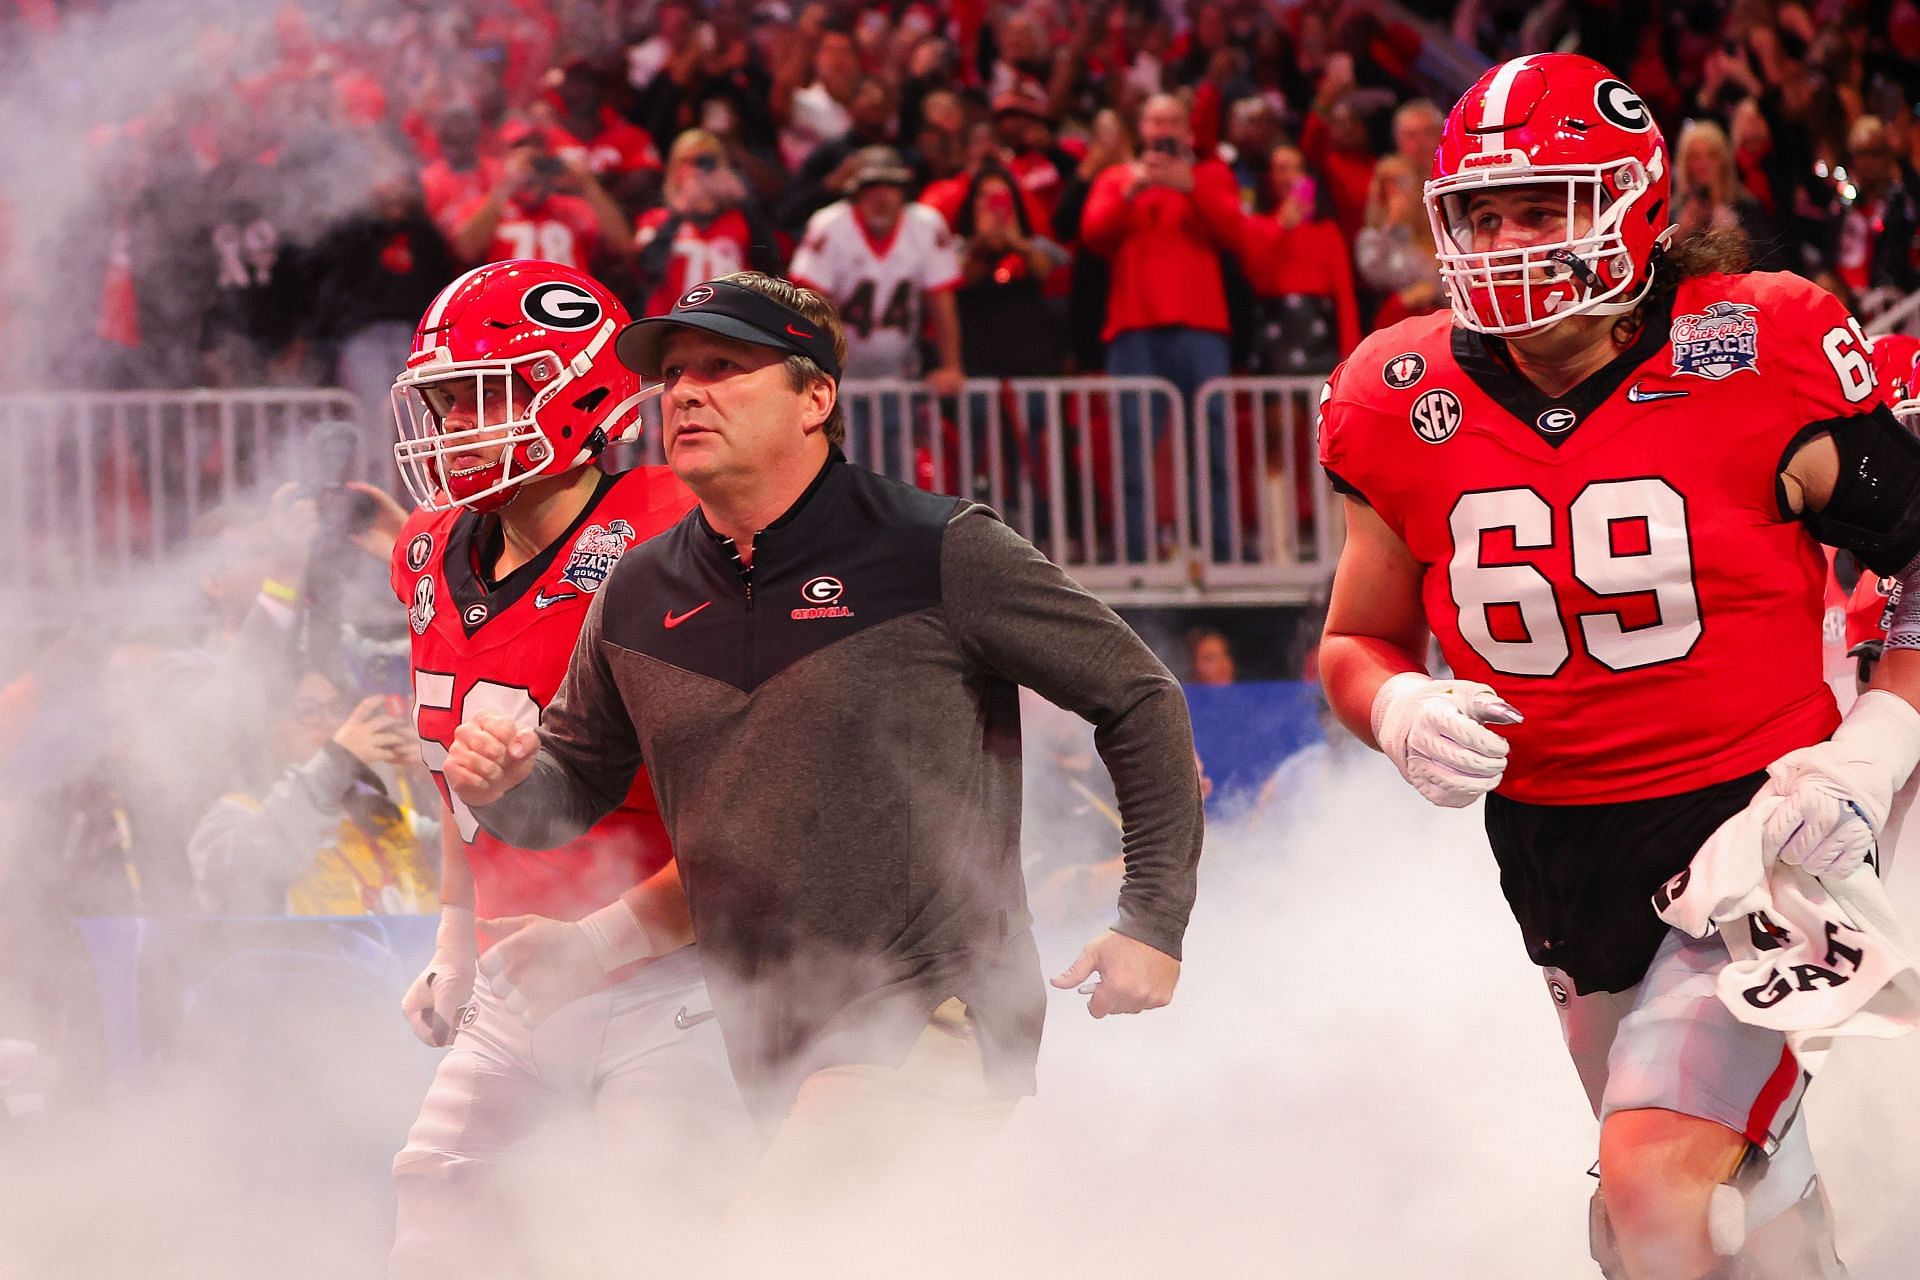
(1360, 1076)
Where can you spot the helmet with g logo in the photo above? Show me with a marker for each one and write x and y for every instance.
(516, 359)
(1564, 123)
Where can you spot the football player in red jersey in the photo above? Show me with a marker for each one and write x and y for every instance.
(1601, 485)
(1870, 599)
(510, 395)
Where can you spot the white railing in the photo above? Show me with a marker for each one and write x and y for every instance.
(1887, 311)
(99, 483)
(1282, 528)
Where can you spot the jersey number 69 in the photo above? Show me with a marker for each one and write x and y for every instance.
(1652, 516)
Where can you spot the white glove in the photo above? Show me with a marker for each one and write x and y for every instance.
(438, 998)
(1434, 732)
(1840, 791)
(538, 966)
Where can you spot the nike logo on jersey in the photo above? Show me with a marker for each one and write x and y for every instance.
(541, 599)
(673, 621)
(1637, 396)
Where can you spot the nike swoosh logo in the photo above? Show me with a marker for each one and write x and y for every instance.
(1637, 396)
(541, 599)
(798, 333)
(673, 621)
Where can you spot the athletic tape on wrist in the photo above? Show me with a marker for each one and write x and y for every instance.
(456, 929)
(617, 938)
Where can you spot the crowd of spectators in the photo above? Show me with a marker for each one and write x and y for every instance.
(1180, 189)
(1174, 188)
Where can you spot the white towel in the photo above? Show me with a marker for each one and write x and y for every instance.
(1814, 958)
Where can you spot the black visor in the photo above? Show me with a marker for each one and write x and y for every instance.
(730, 311)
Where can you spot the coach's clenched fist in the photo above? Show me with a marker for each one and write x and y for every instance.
(491, 756)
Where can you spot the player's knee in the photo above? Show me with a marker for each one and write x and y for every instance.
(1655, 1208)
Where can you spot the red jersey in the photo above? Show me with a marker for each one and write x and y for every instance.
(506, 650)
(560, 229)
(1615, 561)
(619, 147)
(700, 252)
(448, 191)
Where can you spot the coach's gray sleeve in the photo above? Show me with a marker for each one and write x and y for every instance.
(1018, 615)
(588, 753)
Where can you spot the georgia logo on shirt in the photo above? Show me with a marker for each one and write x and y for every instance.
(822, 595)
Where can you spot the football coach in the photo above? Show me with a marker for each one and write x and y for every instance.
(820, 668)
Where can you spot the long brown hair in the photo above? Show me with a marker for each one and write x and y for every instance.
(1716, 250)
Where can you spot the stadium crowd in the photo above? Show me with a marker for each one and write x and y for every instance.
(1260, 217)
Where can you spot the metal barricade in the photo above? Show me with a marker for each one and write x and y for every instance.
(1052, 457)
(1110, 477)
(99, 483)
(1280, 529)
(1062, 460)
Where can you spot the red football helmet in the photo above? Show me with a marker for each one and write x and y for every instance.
(1559, 120)
(1896, 364)
(531, 343)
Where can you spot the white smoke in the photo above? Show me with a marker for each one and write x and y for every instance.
(1360, 1076)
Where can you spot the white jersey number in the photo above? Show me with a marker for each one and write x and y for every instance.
(1658, 562)
(1846, 349)
(433, 691)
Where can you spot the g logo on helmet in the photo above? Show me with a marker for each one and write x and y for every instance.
(560, 305)
(1622, 107)
(822, 590)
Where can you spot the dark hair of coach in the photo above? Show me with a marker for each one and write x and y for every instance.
(819, 667)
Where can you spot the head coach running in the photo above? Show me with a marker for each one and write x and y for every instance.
(819, 667)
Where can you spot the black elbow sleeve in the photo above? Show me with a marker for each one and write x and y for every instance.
(1874, 510)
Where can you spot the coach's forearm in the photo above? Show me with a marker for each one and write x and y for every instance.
(1148, 750)
(551, 807)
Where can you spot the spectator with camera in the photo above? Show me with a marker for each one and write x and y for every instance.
(1708, 195)
(1162, 222)
(1005, 328)
(1394, 252)
(1307, 318)
(544, 206)
(332, 829)
(708, 227)
(579, 112)
(816, 112)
